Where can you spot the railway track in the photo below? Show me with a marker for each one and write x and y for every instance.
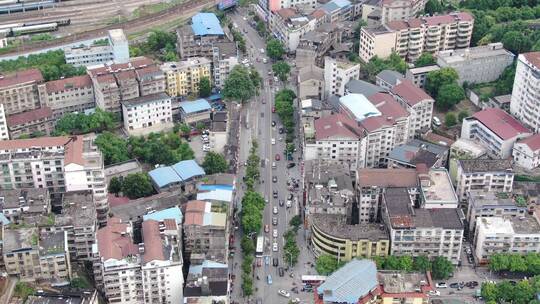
(131, 26)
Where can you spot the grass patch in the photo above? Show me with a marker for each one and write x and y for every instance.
(148, 9)
(80, 282)
(41, 37)
(23, 290)
(162, 27)
(527, 178)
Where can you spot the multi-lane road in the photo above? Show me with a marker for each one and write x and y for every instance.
(260, 117)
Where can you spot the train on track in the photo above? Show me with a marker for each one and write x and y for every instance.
(18, 29)
(14, 6)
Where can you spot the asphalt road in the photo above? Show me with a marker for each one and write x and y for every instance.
(260, 128)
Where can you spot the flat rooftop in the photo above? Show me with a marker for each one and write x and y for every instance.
(463, 55)
(336, 225)
(78, 210)
(480, 198)
(424, 69)
(526, 224)
(15, 239)
(440, 187)
(401, 282)
(486, 165)
(52, 243)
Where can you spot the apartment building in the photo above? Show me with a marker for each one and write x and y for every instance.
(410, 38)
(387, 79)
(205, 227)
(334, 11)
(315, 44)
(4, 134)
(150, 272)
(418, 75)
(183, 77)
(399, 10)
(207, 281)
(494, 129)
(31, 256)
(526, 152)
(25, 206)
(436, 189)
(275, 5)
(198, 38)
(19, 91)
(418, 152)
(78, 219)
(116, 50)
(489, 175)
(224, 59)
(337, 73)
(524, 104)
(146, 114)
(479, 64)
(371, 184)
(151, 80)
(288, 25)
(417, 232)
(68, 95)
(59, 164)
(34, 122)
(311, 82)
(517, 235)
(419, 105)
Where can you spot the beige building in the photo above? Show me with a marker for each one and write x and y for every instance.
(377, 41)
(4, 135)
(483, 174)
(34, 122)
(337, 73)
(68, 95)
(205, 227)
(182, 78)
(311, 82)
(419, 105)
(19, 91)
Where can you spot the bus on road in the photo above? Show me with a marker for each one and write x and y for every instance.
(260, 246)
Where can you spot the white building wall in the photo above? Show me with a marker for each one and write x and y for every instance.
(337, 75)
(4, 135)
(152, 115)
(525, 102)
(525, 157)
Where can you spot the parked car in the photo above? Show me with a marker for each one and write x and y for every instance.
(290, 165)
(277, 157)
(274, 179)
(441, 285)
(274, 233)
(284, 293)
(266, 228)
(436, 121)
(273, 123)
(275, 262)
(275, 210)
(273, 141)
(267, 260)
(269, 279)
(281, 203)
(434, 293)
(274, 221)
(281, 271)
(274, 247)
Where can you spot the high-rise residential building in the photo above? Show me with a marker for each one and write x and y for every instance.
(116, 49)
(288, 25)
(182, 78)
(337, 73)
(19, 91)
(224, 59)
(525, 103)
(68, 95)
(4, 135)
(419, 105)
(146, 114)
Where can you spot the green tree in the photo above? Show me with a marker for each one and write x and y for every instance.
(516, 42)
(462, 115)
(499, 262)
(158, 40)
(523, 292)
(114, 148)
(489, 291)
(239, 85)
(391, 263)
(433, 6)
(436, 79)
(137, 185)
(291, 250)
(248, 248)
(81, 123)
(426, 58)
(449, 95)
(376, 65)
(422, 264)
(23, 290)
(115, 185)
(247, 286)
(517, 263)
(214, 163)
(295, 221)
(406, 263)
(281, 70)
(185, 129)
(441, 268)
(205, 88)
(450, 119)
(326, 264)
(275, 49)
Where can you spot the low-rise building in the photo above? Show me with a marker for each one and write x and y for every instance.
(495, 129)
(34, 122)
(198, 38)
(526, 152)
(288, 25)
(405, 287)
(175, 176)
(115, 49)
(183, 77)
(311, 82)
(122, 169)
(146, 114)
(19, 91)
(387, 79)
(207, 282)
(25, 206)
(416, 152)
(419, 105)
(337, 73)
(417, 232)
(195, 111)
(517, 235)
(483, 174)
(218, 135)
(81, 296)
(68, 95)
(418, 75)
(479, 64)
(205, 227)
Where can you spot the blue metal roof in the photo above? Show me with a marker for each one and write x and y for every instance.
(197, 269)
(3, 220)
(215, 187)
(206, 24)
(214, 97)
(164, 176)
(171, 213)
(349, 283)
(359, 106)
(195, 106)
(188, 169)
(215, 195)
(335, 5)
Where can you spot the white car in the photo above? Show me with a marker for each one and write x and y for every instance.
(274, 247)
(288, 204)
(274, 233)
(245, 61)
(265, 60)
(262, 51)
(436, 121)
(295, 300)
(441, 285)
(275, 210)
(283, 293)
(273, 141)
(434, 293)
(276, 79)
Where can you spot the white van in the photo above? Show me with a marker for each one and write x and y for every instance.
(274, 165)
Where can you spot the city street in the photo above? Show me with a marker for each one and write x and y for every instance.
(259, 116)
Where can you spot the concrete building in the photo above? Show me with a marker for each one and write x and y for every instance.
(275, 5)
(4, 134)
(410, 38)
(387, 79)
(206, 227)
(483, 174)
(82, 296)
(219, 131)
(524, 103)
(436, 189)
(417, 152)
(418, 75)
(34, 122)
(496, 130)
(19, 91)
(116, 50)
(25, 206)
(151, 80)
(377, 12)
(195, 111)
(337, 73)
(224, 59)
(288, 25)
(419, 105)
(416, 232)
(207, 281)
(68, 95)
(146, 114)
(198, 38)
(408, 287)
(315, 44)
(479, 64)
(516, 235)
(311, 82)
(183, 77)
(526, 152)
(31, 256)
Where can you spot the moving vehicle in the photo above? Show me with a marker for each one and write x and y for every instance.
(289, 204)
(275, 210)
(266, 228)
(290, 165)
(284, 293)
(274, 165)
(273, 141)
(262, 51)
(275, 194)
(259, 249)
(265, 60)
(274, 247)
(266, 260)
(281, 272)
(274, 179)
(277, 157)
(274, 233)
(269, 279)
(275, 262)
(273, 123)
(274, 221)
(441, 285)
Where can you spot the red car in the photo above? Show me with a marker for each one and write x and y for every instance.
(266, 228)
(273, 109)
(278, 157)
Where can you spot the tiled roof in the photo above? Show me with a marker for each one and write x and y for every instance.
(350, 283)
(501, 123)
(387, 178)
(73, 146)
(410, 93)
(390, 110)
(153, 248)
(430, 21)
(29, 116)
(113, 240)
(76, 82)
(336, 125)
(20, 77)
(286, 13)
(533, 142)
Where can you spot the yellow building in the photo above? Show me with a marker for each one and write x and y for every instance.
(330, 234)
(183, 77)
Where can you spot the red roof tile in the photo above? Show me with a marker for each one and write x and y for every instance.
(286, 13)
(33, 142)
(410, 93)
(336, 125)
(20, 77)
(107, 78)
(195, 205)
(76, 82)
(139, 62)
(390, 109)
(153, 247)
(29, 116)
(126, 75)
(532, 141)
(170, 224)
(387, 177)
(533, 58)
(115, 201)
(194, 213)
(501, 123)
(318, 14)
(113, 240)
